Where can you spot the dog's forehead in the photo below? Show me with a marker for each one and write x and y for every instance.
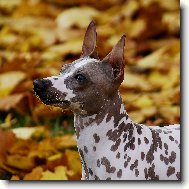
(84, 62)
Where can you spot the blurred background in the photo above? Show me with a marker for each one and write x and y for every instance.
(37, 37)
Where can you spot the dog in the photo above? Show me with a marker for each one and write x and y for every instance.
(110, 144)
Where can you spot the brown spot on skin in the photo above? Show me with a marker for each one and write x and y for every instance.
(106, 163)
(130, 134)
(166, 160)
(125, 156)
(85, 149)
(96, 177)
(146, 173)
(90, 171)
(124, 137)
(115, 134)
(94, 148)
(161, 157)
(156, 143)
(134, 165)
(116, 145)
(178, 176)
(136, 172)
(108, 178)
(119, 173)
(176, 141)
(142, 155)
(84, 164)
(172, 157)
(146, 140)
(96, 138)
(139, 129)
(98, 163)
(139, 141)
(170, 171)
(151, 173)
(132, 145)
(171, 138)
(125, 164)
(118, 155)
(165, 146)
(166, 152)
(77, 130)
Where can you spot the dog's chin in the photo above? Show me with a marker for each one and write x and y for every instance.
(62, 104)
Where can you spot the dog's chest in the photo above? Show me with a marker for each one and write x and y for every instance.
(140, 153)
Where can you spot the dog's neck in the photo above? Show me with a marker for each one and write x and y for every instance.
(112, 111)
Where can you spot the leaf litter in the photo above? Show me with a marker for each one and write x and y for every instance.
(37, 142)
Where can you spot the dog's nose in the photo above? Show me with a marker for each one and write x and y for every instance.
(40, 84)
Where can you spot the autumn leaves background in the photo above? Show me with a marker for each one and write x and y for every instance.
(37, 37)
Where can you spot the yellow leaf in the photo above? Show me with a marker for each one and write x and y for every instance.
(58, 174)
(143, 101)
(77, 16)
(74, 162)
(9, 80)
(34, 175)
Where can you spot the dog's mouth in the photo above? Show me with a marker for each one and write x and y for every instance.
(56, 102)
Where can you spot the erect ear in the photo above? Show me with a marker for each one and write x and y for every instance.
(116, 59)
(89, 44)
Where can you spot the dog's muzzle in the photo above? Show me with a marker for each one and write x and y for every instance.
(43, 89)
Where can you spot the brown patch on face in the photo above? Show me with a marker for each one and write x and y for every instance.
(118, 155)
(136, 172)
(106, 163)
(142, 156)
(116, 145)
(96, 138)
(119, 173)
(178, 176)
(134, 165)
(170, 171)
(171, 138)
(85, 149)
(146, 140)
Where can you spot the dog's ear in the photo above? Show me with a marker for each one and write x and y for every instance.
(89, 44)
(116, 59)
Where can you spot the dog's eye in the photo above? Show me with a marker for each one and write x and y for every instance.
(80, 77)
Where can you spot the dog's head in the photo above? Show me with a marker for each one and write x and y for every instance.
(87, 83)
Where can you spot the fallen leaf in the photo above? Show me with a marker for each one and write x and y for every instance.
(36, 174)
(58, 174)
(9, 80)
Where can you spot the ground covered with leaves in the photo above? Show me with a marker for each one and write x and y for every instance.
(37, 37)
